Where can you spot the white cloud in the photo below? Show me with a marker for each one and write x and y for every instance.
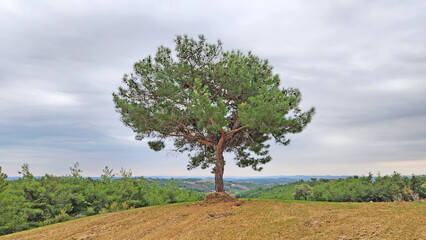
(338, 140)
(12, 97)
(396, 85)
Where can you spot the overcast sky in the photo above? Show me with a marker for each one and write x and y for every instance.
(362, 64)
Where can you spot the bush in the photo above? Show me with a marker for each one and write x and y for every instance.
(302, 192)
(90, 211)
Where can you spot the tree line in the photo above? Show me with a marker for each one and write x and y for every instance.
(386, 188)
(30, 202)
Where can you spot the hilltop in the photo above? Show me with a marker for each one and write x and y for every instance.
(248, 219)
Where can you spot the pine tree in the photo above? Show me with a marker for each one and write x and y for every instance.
(210, 101)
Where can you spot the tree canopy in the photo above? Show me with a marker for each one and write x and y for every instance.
(210, 101)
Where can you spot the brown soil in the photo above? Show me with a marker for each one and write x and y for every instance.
(219, 198)
(251, 220)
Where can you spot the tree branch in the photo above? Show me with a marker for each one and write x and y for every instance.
(192, 131)
(213, 123)
(222, 133)
(190, 137)
(235, 130)
(233, 138)
(177, 102)
(216, 93)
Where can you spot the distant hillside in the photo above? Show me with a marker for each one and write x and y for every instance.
(234, 185)
(268, 180)
(207, 185)
(282, 192)
(251, 220)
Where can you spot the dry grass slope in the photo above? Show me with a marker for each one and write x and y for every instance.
(247, 220)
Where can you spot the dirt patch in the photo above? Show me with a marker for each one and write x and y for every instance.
(215, 215)
(220, 198)
(83, 237)
(312, 223)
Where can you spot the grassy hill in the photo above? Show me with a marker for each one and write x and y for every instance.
(254, 219)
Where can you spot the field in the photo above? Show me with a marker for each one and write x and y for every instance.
(250, 219)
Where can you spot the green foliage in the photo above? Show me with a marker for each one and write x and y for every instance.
(26, 171)
(351, 189)
(76, 171)
(31, 202)
(62, 217)
(302, 192)
(107, 174)
(125, 174)
(209, 100)
(156, 145)
(3, 182)
(282, 192)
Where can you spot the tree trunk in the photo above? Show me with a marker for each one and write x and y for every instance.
(220, 164)
(218, 177)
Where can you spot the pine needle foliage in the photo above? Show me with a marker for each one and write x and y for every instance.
(210, 101)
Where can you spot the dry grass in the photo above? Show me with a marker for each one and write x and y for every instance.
(250, 220)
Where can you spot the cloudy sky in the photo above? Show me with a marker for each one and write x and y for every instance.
(362, 64)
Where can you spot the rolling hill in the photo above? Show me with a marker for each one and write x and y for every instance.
(250, 219)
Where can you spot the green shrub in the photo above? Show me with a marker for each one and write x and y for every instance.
(302, 192)
(31, 202)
